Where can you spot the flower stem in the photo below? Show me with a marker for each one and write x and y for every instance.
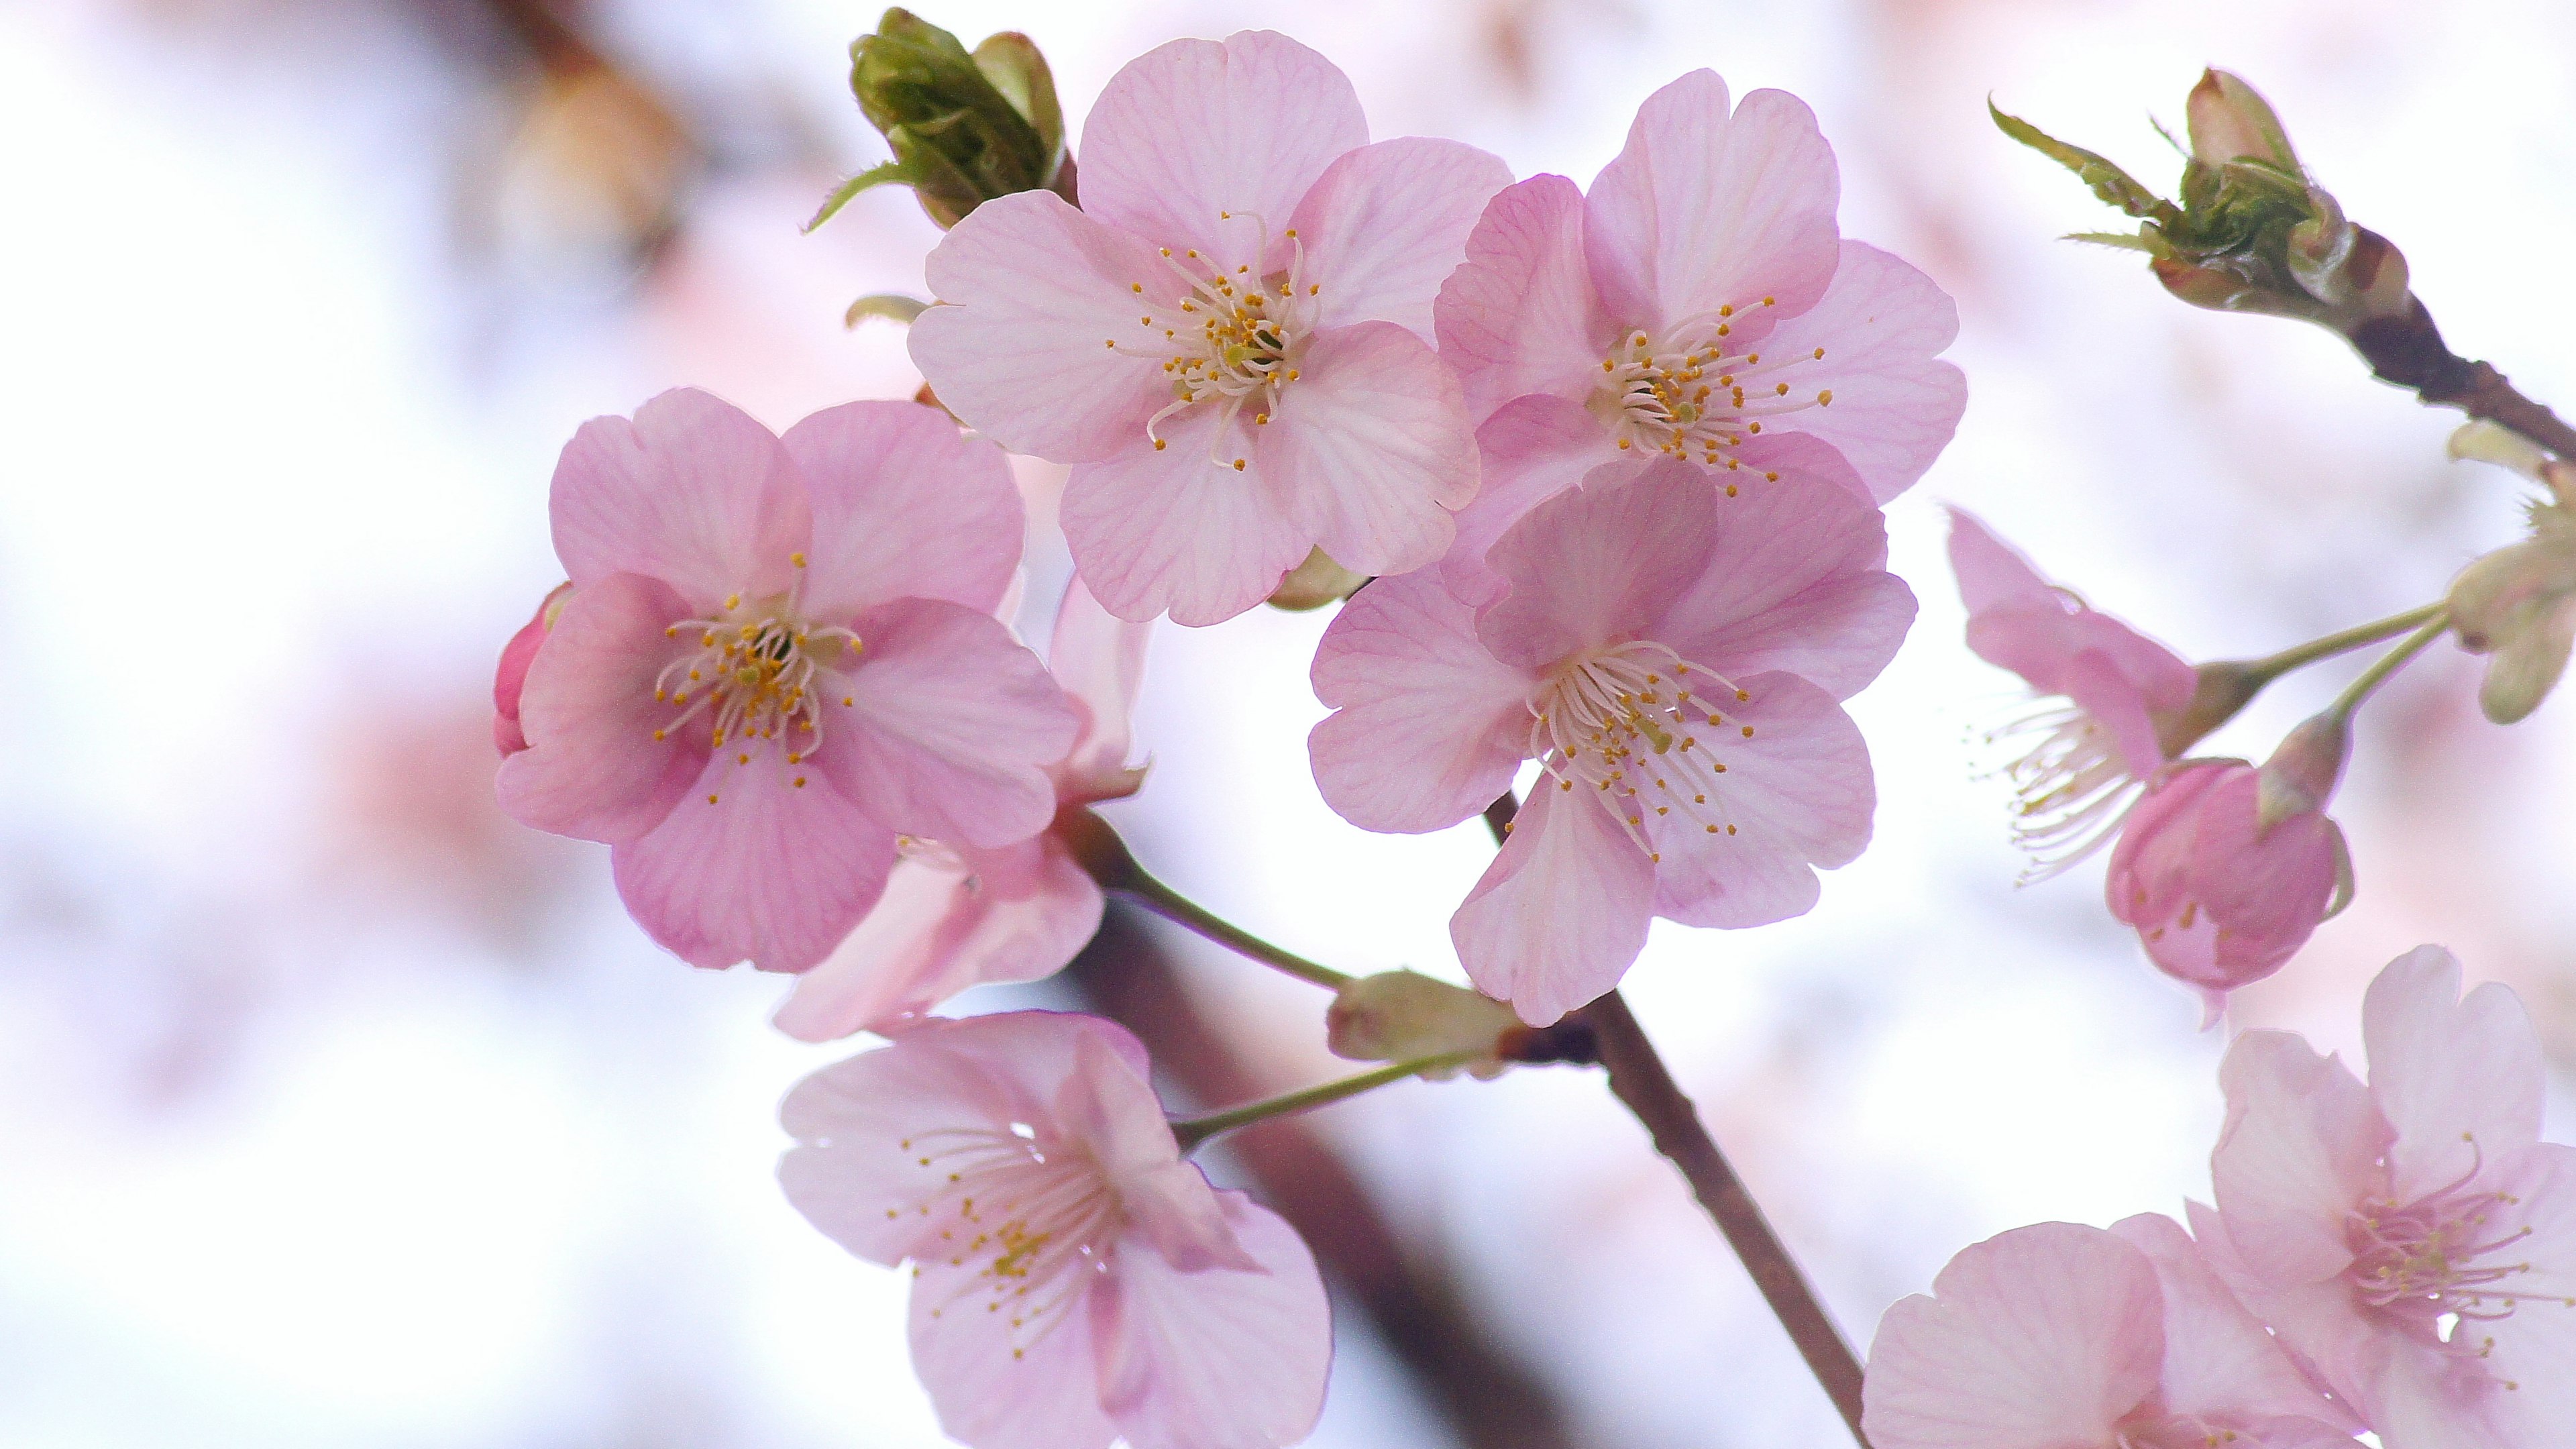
(1194, 1130)
(2342, 641)
(1645, 1086)
(2389, 663)
(1101, 853)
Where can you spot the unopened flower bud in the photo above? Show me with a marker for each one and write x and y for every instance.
(511, 678)
(1402, 1016)
(965, 127)
(2229, 122)
(1316, 582)
(2301, 775)
(2219, 690)
(2518, 607)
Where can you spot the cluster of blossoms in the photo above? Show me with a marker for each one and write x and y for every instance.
(1600, 474)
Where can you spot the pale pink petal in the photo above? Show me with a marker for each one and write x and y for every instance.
(854, 1173)
(2267, 889)
(1193, 128)
(944, 726)
(2536, 1345)
(904, 507)
(1373, 448)
(1795, 794)
(1034, 289)
(1561, 914)
(510, 676)
(1218, 1358)
(692, 492)
(2295, 1156)
(1428, 726)
(2461, 1080)
(1598, 564)
(2218, 1357)
(1387, 223)
(1099, 658)
(2095, 685)
(592, 768)
(770, 873)
(1703, 209)
(2042, 1338)
(1112, 1110)
(1533, 449)
(2318, 1323)
(1796, 581)
(942, 926)
(2421, 1400)
(1174, 529)
(1895, 403)
(1992, 573)
(994, 1391)
(1519, 316)
(2151, 868)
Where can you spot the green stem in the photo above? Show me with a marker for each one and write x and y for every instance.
(2389, 663)
(1194, 1130)
(2343, 641)
(1180, 910)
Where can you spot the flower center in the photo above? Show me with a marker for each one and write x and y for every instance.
(1229, 339)
(752, 676)
(1033, 1219)
(2432, 1265)
(1691, 394)
(1624, 721)
(2071, 785)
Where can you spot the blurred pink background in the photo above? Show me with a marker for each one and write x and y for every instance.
(336, 1110)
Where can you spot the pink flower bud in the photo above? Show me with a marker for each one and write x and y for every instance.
(512, 676)
(2229, 122)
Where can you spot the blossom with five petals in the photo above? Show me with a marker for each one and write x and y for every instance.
(2107, 695)
(1673, 655)
(1075, 1279)
(959, 916)
(1697, 300)
(2057, 1336)
(778, 656)
(1230, 340)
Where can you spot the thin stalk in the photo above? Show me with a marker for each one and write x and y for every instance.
(2389, 663)
(1194, 1130)
(2342, 641)
(1149, 892)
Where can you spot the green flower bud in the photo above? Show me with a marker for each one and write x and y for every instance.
(2517, 606)
(1402, 1016)
(965, 126)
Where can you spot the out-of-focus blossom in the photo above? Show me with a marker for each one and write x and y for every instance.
(778, 656)
(2108, 697)
(2225, 869)
(959, 916)
(1229, 342)
(2413, 1241)
(1075, 1279)
(2057, 1336)
(1697, 300)
(2517, 606)
(512, 675)
(1673, 654)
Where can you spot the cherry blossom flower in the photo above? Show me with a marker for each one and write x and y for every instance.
(511, 677)
(778, 655)
(2057, 1336)
(1698, 296)
(2413, 1241)
(1075, 1280)
(1673, 656)
(1230, 340)
(959, 916)
(2225, 869)
(2107, 697)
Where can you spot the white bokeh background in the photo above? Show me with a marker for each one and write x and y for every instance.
(337, 1111)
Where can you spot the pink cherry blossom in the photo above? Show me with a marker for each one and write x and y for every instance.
(1230, 340)
(2225, 869)
(1673, 656)
(778, 656)
(1697, 299)
(511, 677)
(2065, 1337)
(2413, 1241)
(959, 916)
(2106, 696)
(1075, 1279)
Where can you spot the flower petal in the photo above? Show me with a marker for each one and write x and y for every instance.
(2461, 1080)
(1171, 529)
(692, 492)
(2042, 1338)
(1561, 914)
(2295, 1156)
(993, 1393)
(905, 506)
(1992, 573)
(1895, 404)
(1032, 289)
(1218, 1358)
(1099, 658)
(1386, 224)
(1194, 128)
(1796, 793)
(1373, 448)
(1428, 726)
(1703, 209)
(1533, 448)
(853, 1172)
(591, 768)
(1599, 563)
(945, 726)
(2219, 1360)
(1518, 315)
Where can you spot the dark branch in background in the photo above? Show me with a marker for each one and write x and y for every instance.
(1490, 1398)
(2409, 352)
(1645, 1086)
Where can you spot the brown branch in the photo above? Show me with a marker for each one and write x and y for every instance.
(1490, 1398)
(1645, 1086)
(2409, 351)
